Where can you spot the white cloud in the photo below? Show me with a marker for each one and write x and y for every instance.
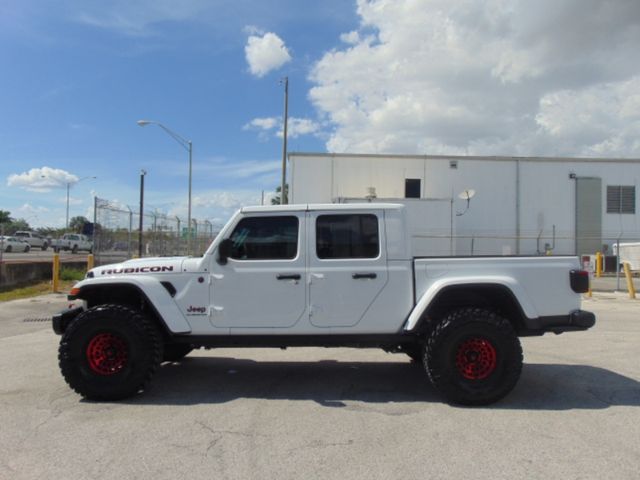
(265, 53)
(301, 126)
(137, 18)
(494, 77)
(273, 125)
(41, 179)
(351, 38)
(264, 123)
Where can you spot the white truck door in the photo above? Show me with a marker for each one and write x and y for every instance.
(263, 284)
(347, 266)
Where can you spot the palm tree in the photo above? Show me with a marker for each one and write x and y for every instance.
(276, 200)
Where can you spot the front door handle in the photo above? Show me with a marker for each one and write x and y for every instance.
(288, 276)
(358, 276)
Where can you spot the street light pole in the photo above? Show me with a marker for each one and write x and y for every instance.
(67, 220)
(68, 188)
(140, 224)
(187, 145)
(284, 140)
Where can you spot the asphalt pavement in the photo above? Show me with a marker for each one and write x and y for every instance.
(325, 413)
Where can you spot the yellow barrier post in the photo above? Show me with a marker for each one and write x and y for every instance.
(55, 282)
(627, 274)
(598, 264)
(90, 261)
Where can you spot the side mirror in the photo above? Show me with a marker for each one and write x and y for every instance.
(224, 251)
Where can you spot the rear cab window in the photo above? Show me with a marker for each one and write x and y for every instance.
(343, 236)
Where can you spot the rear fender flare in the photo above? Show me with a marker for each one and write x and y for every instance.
(440, 285)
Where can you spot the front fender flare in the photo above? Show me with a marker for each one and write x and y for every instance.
(157, 296)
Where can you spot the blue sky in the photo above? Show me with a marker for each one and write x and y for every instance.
(500, 77)
(76, 79)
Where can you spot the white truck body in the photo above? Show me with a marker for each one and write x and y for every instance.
(334, 275)
(73, 242)
(245, 297)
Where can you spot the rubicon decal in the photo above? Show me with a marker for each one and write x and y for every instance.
(196, 310)
(154, 269)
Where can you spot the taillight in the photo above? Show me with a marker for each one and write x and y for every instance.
(579, 281)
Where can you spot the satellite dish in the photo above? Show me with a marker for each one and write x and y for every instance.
(467, 194)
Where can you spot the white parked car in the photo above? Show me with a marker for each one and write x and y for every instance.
(34, 239)
(13, 244)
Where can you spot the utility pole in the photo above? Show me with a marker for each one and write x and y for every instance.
(142, 174)
(284, 139)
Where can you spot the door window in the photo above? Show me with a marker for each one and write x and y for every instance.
(347, 236)
(265, 238)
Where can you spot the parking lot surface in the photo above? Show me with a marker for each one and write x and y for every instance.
(325, 413)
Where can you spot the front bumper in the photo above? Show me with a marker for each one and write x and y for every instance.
(61, 320)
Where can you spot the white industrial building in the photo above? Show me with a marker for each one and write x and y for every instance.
(522, 205)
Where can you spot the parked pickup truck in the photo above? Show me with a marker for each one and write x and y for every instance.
(325, 275)
(74, 242)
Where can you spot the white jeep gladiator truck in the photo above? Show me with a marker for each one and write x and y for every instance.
(319, 275)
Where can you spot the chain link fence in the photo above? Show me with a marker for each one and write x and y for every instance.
(116, 233)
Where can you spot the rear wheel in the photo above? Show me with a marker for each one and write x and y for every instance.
(473, 357)
(8, 249)
(45, 245)
(109, 352)
(74, 249)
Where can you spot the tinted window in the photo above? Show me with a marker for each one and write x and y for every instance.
(412, 188)
(265, 238)
(347, 236)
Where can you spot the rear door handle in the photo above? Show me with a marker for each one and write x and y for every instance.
(358, 276)
(288, 276)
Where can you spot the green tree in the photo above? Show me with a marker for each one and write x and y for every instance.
(19, 224)
(5, 216)
(276, 200)
(77, 223)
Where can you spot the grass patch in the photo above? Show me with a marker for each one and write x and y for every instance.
(71, 274)
(34, 290)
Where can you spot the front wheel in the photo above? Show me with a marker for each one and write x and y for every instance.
(109, 352)
(473, 357)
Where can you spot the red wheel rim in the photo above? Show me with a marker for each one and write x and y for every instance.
(476, 358)
(107, 354)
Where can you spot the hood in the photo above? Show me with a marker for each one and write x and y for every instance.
(141, 266)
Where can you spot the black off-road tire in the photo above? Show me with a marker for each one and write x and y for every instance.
(473, 357)
(414, 352)
(109, 352)
(176, 351)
